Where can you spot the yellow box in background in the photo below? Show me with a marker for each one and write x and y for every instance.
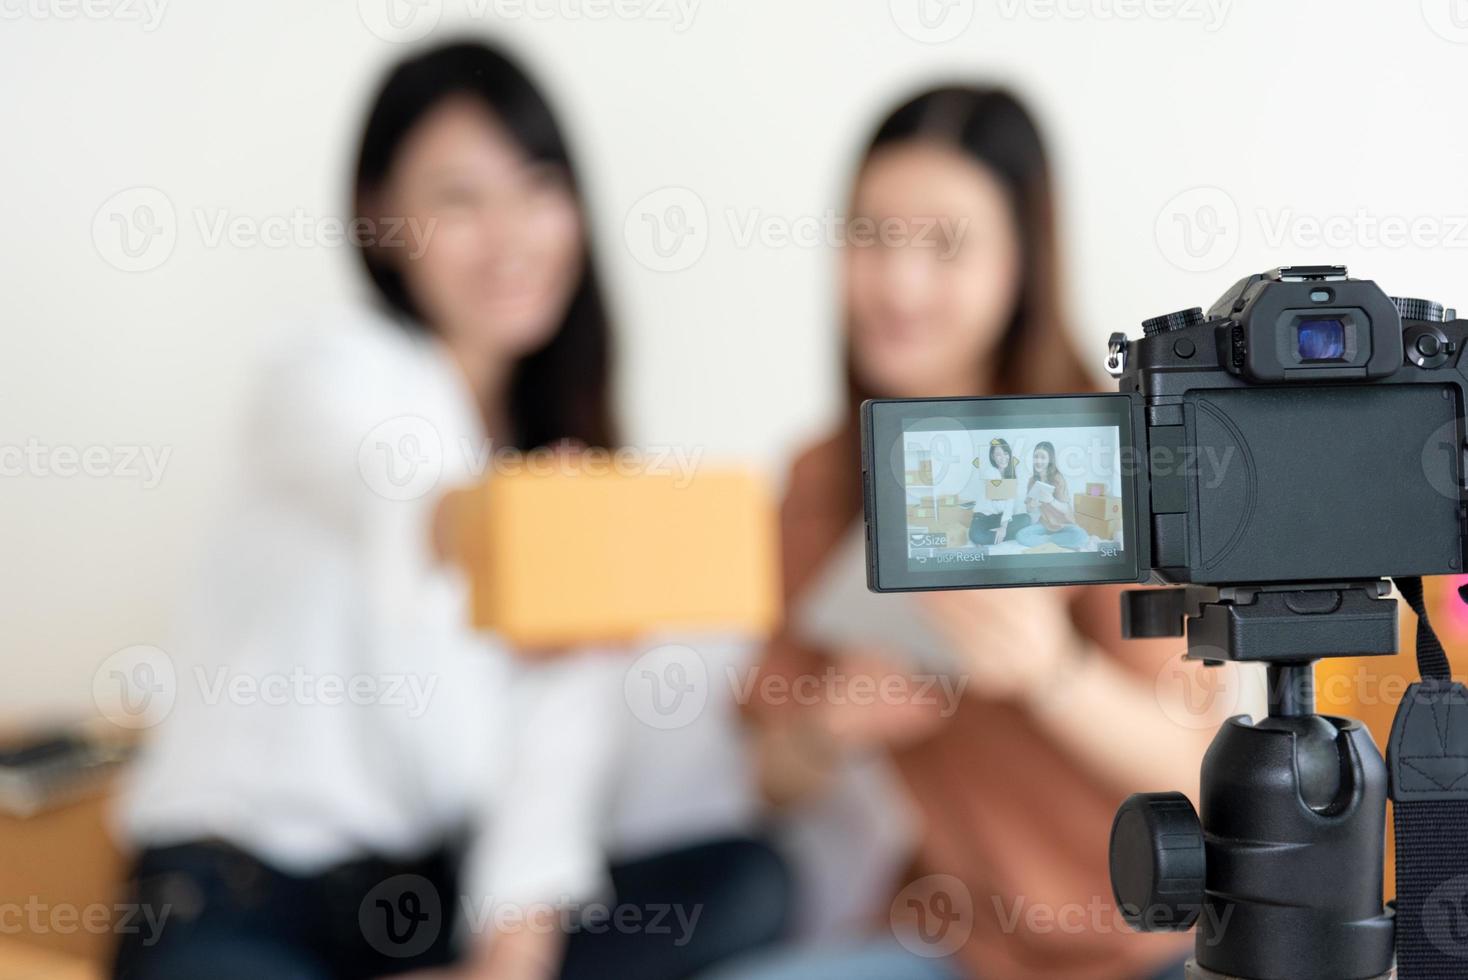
(572, 558)
(1101, 508)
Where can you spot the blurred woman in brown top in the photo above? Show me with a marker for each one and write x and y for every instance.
(1059, 719)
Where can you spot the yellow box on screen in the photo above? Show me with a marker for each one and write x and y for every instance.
(1001, 489)
(573, 558)
(1101, 508)
(1105, 530)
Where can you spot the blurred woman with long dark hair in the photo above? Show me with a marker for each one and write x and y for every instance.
(1060, 719)
(387, 790)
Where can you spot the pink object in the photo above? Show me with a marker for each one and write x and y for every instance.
(1457, 610)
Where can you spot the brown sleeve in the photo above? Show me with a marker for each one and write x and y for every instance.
(813, 517)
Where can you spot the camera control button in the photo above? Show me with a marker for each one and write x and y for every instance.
(1428, 347)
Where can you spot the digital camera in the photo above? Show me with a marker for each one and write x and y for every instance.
(1307, 428)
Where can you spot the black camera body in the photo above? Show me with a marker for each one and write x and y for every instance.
(1277, 459)
(1306, 428)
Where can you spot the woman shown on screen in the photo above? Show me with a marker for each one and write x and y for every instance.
(995, 520)
(1048, 503)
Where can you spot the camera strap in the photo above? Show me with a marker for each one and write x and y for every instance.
(1427, 759)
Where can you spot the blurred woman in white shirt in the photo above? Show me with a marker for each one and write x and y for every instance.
(352, 783)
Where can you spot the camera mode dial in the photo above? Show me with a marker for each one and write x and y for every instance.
(1418, 309)
(1172, 321)
(1157, 862)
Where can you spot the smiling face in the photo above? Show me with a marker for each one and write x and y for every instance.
(1042, 462)
(927, 309)
(999, 456)
(494, 240)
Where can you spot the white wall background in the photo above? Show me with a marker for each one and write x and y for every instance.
(1326, 130)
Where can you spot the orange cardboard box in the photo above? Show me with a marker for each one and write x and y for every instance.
(1101, 508)
(1105, 530)
(572, 558)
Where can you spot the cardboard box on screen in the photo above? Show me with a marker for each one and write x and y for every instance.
(1103, 508)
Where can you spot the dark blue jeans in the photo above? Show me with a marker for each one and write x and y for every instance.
(230, 916)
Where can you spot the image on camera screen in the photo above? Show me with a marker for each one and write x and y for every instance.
(1038, 492)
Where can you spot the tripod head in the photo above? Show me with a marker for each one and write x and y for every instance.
(1276, 869)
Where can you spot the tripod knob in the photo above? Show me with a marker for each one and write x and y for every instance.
(1157, 862)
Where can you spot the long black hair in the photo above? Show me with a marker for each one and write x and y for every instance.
(1007, 472)
(563, 390)
(994, 128)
